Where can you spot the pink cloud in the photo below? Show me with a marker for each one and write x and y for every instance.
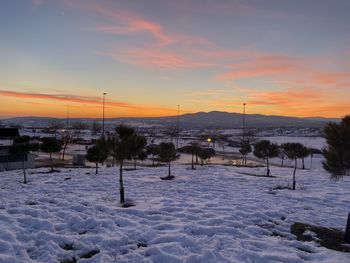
(333, 78)
(263, 65)
(174, 51)
(124, 22)
(154, 58)
(38, 2)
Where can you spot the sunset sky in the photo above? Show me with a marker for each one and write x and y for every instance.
(280, 57)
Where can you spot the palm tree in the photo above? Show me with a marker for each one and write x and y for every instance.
(137, 148)
(153, 149)
(294, 151)
(97, 154)
(245, 149)
(21, 147)
(337, 154)
(167, 154)
(265, 150)
(124, 147)
(50, 145)
(192, 149)
(204, 154)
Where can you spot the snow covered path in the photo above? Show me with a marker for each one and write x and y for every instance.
(212, 214)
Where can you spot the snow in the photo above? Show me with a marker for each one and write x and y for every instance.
(215, 213)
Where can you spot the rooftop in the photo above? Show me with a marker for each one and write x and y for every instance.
(8, 133)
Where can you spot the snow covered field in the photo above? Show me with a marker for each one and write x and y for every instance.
(213, 214)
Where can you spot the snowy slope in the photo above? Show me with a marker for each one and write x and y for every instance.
(213, 214)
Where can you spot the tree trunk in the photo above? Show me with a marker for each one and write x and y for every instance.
(24, 171)
(169, 170)
(303, 163)
(267, 167)
(282, 165)
(152, 159)
(295, 169)
(7, 163)
(51, 162)
(311, 155)
(121, 185)
(192, 164)
(134, 163)
(347, 231)
(96, 167)
(64, 150)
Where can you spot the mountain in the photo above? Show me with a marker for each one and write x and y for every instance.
(213, 119)
(218, 119)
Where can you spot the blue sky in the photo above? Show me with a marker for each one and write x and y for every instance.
(279, 56)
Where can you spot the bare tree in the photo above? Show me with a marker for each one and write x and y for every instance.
(78, 127)
(96, 128)
(171, 132)
(55, 126)
(66, 138)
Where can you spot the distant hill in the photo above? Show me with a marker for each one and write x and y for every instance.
(213, 119)
(219, 119)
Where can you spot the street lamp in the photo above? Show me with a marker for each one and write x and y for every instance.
(103, 114)
(178, 126)
(243, 126)
(209, 141)
(67, 125)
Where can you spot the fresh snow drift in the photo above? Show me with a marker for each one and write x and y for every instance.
(216, 213)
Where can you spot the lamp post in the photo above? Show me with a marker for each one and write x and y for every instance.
(209, 141)
(243, 126)
(243, 130)
(67, 125)
(103, 114)
(178, 126)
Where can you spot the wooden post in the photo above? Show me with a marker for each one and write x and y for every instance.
(347, 230)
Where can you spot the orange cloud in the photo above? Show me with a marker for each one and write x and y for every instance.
(63, 98)
(333, 78)
(90, 105)
(266, 65)
(305, 101)
(291, 97)
(291, 101)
